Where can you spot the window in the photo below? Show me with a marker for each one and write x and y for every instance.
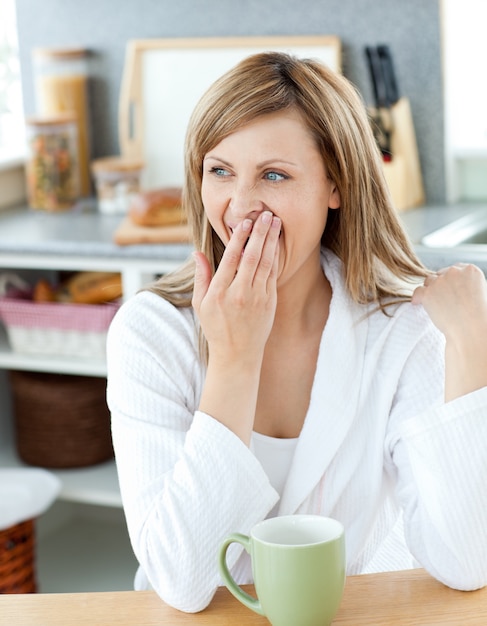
(11, 108)
(465, 53)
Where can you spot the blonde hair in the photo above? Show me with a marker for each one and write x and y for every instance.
(365, 232)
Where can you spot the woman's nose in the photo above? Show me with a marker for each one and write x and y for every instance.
(245, 202)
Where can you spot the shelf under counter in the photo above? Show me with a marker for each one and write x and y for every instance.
(11, 360)
(82, 240)
(95, 484)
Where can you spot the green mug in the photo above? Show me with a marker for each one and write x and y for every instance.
(298, 564)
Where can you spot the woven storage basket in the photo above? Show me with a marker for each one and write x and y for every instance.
(17, 558)
(53, 328)
(61, 420)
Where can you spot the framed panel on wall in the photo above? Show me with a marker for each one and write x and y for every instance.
(164, 78)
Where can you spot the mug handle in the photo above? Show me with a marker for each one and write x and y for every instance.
(243, 597)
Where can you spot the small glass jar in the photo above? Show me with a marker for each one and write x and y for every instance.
(62, 85)
(117, 181)
(52, 162)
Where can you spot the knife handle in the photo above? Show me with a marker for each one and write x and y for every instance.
(388, 74)
(375, 70)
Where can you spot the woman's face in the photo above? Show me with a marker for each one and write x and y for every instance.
(271, 164)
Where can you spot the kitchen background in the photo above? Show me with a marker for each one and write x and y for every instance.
(83, 541)
(411, 28)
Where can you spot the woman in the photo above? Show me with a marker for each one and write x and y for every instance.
(284, 369)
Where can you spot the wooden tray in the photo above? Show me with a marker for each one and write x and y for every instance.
(163, 79)
(129, 233)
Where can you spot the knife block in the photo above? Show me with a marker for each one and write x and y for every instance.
(403, 172)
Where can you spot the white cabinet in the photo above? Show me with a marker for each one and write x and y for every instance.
(82, 540)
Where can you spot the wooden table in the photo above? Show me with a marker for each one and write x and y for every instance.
(390, 599)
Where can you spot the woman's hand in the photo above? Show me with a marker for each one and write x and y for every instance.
(236, 309)
(456, 300)
(236, 306)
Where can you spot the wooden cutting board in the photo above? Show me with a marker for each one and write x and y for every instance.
(163, 79)
(129, 233)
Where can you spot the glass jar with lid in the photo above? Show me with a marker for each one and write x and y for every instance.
(62, 86)
(52, 162)
(117, 181)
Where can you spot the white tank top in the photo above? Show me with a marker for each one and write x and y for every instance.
(275, 455)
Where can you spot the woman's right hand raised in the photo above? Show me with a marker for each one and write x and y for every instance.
(236, 306)
(236, 309)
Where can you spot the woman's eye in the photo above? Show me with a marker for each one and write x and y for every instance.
(219, 171)
(275, 176)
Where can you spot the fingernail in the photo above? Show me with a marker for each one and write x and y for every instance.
(247, 224)
(266, 217)
(276, 222)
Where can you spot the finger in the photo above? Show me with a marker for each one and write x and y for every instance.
(232, 255)
(442, 271)
(430, 278)
(275, 268)
(418, 295)
(253, 256)
(202, 278)
(266, 267)
(459, 265)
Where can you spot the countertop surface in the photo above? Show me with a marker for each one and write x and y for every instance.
(398, 598)
(85, 232)
(424, 220)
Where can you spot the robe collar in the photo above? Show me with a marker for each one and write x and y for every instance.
(335, 390)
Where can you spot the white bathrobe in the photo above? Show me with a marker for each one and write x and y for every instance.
(378, 447)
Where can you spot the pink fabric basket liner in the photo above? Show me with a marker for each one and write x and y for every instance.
(57, 315)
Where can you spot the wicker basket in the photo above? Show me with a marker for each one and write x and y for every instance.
(17, 558)
(59, 329)
(61, 420)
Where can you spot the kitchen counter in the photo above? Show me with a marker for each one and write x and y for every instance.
(399, 598)
(83, 231)
(88, 235)
(424, 220)
(81, 240)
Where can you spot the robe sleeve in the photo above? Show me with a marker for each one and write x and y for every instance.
(438, 455)
(186, 480)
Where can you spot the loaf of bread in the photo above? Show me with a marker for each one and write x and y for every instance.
(81, 288)
(157, 207)
(44, 291)
(92, 287)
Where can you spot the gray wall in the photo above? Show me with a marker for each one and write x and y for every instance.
(411, 27)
